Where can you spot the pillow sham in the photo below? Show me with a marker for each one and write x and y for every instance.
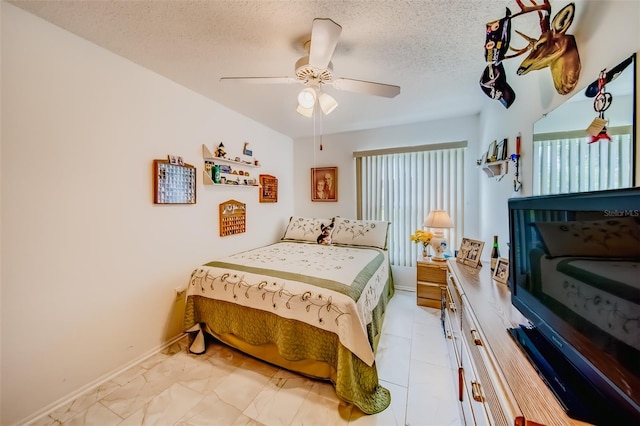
(615, 237)
(371, 233)
(307, 228)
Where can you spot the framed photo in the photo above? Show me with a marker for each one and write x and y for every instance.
(501, 150)
(324, 184)
(501, 273)
(470, 252)
(491, 152)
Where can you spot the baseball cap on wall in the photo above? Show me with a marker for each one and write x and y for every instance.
(494, 84)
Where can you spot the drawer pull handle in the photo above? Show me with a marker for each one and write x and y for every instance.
(452, 304)
(476, 337)
(476, 391)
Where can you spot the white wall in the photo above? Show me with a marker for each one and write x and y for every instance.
(90, 264)
(338, 151)
(606, 33)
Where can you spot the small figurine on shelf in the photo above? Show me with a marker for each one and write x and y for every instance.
(246, 150)
(220, 152)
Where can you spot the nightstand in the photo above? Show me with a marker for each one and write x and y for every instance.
(431, 282)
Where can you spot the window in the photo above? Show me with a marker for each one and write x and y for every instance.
(566, 162)
(403, 185)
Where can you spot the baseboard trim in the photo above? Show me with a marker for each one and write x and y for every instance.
(405, 288)
(103, 379)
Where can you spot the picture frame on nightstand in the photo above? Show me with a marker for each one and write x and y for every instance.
(501, 272)
(470, 252)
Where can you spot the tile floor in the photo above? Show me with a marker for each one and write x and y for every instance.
(225, 387)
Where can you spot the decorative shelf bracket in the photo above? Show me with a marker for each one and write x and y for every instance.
(496, 168)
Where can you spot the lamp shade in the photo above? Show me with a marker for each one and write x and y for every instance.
(438, 219)
(307, 112)
(327, 103)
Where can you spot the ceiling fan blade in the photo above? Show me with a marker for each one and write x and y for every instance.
(324, 38)
(369, 87)
(262, 80)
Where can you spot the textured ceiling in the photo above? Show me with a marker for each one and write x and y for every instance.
(432, 49)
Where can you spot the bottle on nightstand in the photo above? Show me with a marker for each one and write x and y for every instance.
(495, 253)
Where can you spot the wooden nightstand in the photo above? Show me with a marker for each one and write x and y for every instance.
(431, 282)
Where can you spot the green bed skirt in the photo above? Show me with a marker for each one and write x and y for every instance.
(296, 346)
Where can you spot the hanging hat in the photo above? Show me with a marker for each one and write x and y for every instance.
(498, 36)
(494, 84)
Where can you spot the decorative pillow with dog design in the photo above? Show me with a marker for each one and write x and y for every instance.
(371, 233)
(325, 236)
(307, 228)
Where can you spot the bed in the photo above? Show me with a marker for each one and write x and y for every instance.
(312, 303)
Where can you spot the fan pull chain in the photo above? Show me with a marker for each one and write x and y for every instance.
(314, 139)
(321, 132)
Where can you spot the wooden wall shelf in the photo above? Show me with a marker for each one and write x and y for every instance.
(244, 180)
(496, 168)
(207, 155)
(233, 218)
(269, 189)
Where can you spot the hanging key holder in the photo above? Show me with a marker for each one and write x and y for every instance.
(601, 103)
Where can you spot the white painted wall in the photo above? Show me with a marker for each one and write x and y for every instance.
(89, 263)
(338, 151)
(607, 33)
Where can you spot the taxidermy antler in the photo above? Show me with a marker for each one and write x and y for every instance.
(554, 48)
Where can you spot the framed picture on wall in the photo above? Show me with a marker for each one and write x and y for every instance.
(324, 184)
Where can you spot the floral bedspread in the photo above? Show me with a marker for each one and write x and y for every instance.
(334, 288)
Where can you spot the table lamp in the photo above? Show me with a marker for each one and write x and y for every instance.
(438, 220)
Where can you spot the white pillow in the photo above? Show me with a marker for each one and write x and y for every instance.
(371, 233)
(305, 228)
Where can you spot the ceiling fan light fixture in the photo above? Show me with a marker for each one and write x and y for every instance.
(327, 103)
(307, 98)
(307, 112)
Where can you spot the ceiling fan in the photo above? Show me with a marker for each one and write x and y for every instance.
(316, 70)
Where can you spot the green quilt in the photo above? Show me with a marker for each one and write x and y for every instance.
(354, 381)
(222, 299)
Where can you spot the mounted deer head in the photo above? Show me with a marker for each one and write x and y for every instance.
(554, 49)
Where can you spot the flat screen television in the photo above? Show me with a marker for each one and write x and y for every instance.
(574, 273)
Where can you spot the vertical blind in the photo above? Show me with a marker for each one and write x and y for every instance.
(564, 164)
(403, 187)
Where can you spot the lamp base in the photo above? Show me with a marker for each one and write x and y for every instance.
(439, 244)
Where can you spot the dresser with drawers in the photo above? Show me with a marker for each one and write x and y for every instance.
(496, 383)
